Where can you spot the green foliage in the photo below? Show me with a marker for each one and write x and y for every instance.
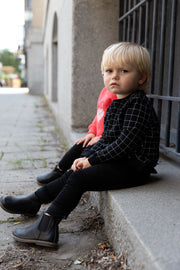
(8, 58)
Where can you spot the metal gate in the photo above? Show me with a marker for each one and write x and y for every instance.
(155, 25)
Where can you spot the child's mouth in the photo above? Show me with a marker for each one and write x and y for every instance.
(114, 84)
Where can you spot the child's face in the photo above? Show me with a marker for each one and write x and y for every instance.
(122, 81)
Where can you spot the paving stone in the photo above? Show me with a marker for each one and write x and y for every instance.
(29, 146)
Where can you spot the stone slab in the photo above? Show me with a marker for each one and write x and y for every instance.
(145, 221)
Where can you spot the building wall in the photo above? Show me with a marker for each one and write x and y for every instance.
(34, 47)
(38, 9)
(58, 60)
(64, 48)
(76, 33)
(95, 26)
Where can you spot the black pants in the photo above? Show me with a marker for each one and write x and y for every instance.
(73, 153)
(66, 191)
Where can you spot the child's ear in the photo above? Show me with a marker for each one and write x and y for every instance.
(103, 74)
(142, 79)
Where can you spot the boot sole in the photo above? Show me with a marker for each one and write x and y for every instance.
(36, 242)
(12, 212)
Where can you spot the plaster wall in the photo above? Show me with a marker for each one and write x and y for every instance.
(35, 61)
(34, 48)
(84, 29)
(95, 26)
(38, 13)
(62, 10)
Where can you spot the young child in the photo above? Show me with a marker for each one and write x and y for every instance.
(95, 131)
(125, 155)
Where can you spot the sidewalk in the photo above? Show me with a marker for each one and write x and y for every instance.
(29, 146)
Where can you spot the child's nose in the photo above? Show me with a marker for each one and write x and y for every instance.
(115, 75)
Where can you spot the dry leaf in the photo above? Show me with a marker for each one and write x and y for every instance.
(18, 222)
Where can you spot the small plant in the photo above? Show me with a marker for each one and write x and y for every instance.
(41, 141)
(1, 155)
(44, 100)
(64, 145)
(41, 126)
(44, 162)
(41, 147)
(56, 129)
(17, 163)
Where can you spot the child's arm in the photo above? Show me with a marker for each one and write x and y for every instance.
(96, 128)
(94, 140)
(86, 139)
(92, 128)
(90, 138)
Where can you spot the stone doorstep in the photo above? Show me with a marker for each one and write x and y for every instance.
(144, 221)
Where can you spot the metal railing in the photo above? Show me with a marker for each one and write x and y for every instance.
(153, 24)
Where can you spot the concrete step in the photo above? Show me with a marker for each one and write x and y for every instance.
(144, 221)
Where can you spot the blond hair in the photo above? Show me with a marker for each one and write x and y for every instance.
(127, 53)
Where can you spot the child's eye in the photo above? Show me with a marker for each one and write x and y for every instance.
(108, 70)
(124, 71)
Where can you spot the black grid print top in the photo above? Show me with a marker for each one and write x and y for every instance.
(131, 131)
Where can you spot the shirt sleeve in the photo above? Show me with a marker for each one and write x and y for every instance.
(135, 120)
(92, 127)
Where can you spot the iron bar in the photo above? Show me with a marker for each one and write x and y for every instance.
(153, 44)
(178, 128)
(161, 57)
(167, 98)
(131, 10)
(124, 22)
(146, 25)
(170, 74)
(140, 25)
(129, 22)
(134, 25)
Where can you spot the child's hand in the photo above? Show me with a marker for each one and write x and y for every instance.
(75, 165)
(80, 163)
(93, 141)
(86, 139)
(84, 163)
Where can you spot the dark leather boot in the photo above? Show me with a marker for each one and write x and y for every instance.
(50, 176)
(24, 205)
(44, 232)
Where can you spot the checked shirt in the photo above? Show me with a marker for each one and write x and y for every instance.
(131, 131)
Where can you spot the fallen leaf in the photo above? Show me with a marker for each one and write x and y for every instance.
(77, 262)
(113, 257)
(16, 265)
